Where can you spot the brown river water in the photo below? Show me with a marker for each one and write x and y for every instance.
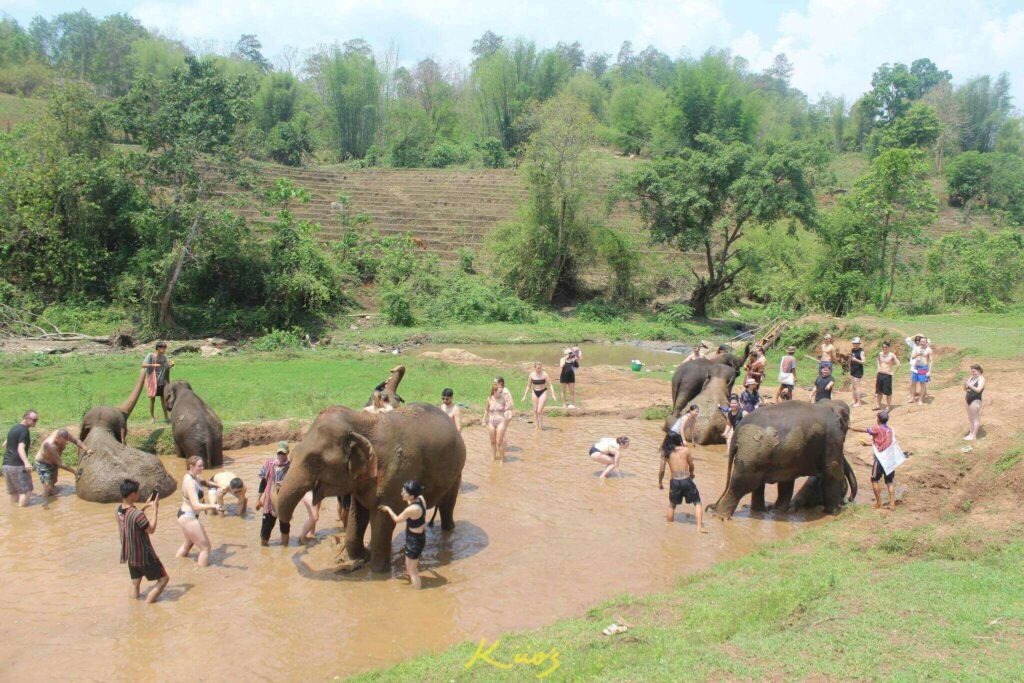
(536, 539)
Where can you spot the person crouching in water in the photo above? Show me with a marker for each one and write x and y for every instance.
(608, 451)
(682, 487)
(414, 516)
(271, 475)
(225, 483)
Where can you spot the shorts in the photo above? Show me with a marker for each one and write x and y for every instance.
(877, 473)
(787, 386)
(18, 478)
(47, 473)
(683, 489)
(414, 544)
(883, 384)
(920, 377)
(152, 570)
(268, 526)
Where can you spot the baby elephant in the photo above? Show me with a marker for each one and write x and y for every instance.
(197, 429)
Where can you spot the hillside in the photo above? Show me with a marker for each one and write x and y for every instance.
(15, 110)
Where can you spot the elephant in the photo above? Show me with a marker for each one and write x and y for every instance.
(710, 425)
(389, 388)
(197, 429)
(370, 456)
(689, 378)
(779, 443)
(99, 476)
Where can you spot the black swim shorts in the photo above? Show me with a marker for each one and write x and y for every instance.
(877, 473)
(153, 571)
(414, 544)
(683, 489)
(883, 384)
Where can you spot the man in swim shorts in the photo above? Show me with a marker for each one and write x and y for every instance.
(920, 367)
(887, 364)
(49, 462)
(136, 548)
(681, 487)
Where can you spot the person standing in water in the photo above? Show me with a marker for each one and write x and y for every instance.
(608, 451)
(540, 383)
(16, 468)
(677, 456)
(192, 505)
(414, 516)
(975, 387)
(685, 421)
(567, 367)
(857, 371)
(49, 461)
(271, 475)
(450, 409)
(136, 548)
(158, 374)
(496, 421)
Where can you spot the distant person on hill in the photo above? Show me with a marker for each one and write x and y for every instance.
(567, 367)
(827, 352)
(495, 411)
(787, 375)
(608, 451)
(158, 374)
(540, 383)
(450, 409)
(136, 547)
(975, 387)
(887, 363)
(16, 468)
(857, 371)
(49, 462)
(677, 456)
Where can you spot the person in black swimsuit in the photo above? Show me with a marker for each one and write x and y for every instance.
(414, 516)
(975, 387)
(857, 370)
(733, 415)
(541, 384)
(567, 377)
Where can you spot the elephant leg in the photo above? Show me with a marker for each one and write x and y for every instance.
(834, 477)
(757, 499)
(355, 533)
(381, 530)
(725, 506)
(785, 495)
(447, 507)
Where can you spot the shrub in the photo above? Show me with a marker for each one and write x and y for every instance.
(276, 340)
(395, 305)
(676, 314)
(475, 299)
(466, 257)
(445, 153)
(620, 251)
(492, 153)
(978, 268)
(598, 311)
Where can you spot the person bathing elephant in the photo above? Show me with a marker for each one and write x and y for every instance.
(99, 476)
(779, 443)
(710, 425)
(197, 429)
(371, 456)
(691, 376)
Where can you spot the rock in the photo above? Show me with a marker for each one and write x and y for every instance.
(122, 340)
(217, 342)
(206, 351)
(184, 348)
(457, 356)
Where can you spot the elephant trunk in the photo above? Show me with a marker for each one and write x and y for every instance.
(728, 472)
(297, 482)
(851, 478)
(129, 405)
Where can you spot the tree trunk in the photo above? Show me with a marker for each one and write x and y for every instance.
(892, 276)
(164, 317)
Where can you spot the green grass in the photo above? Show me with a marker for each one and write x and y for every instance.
(840, 602)
(848, 167)
(240, 387)
(17, 110)
(984, 335)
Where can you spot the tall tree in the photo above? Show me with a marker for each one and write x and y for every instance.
(706, 198)
(250, 49)
(349, 85)
(986, 107)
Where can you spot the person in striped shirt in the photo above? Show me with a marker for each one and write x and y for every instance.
(136, 548)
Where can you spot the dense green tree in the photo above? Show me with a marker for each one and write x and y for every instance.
(15, 44)
(112, 68)
(969, 179)
(706, 198)
(349, 85)
(156, 57)
(503, 83)
(710, 97)
(978, 268)
(919, 127)
(250, 49)
(986, 107)
(275, 100)
(488, 44)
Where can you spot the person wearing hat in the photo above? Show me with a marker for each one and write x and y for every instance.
(787, 374)
(750, 399)
(857, 370)
(271, 475)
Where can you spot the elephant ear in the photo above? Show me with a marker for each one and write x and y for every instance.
(362, 458)
(842, 412)
(169, 395)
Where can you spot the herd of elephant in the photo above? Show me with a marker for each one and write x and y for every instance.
(370, 455)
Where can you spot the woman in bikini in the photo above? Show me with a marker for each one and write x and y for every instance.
(975, 387)
(496, 421)
(414, 515)
(608, 452)
(541, 385)
(188, 514)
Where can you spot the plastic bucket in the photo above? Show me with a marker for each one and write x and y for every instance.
(636, 365)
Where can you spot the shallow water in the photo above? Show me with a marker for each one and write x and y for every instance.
(618, 355)
(536, 539)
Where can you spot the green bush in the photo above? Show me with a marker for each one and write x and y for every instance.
(492, 153)
(676, 314)
(598, 311)
(623, 256)
(979, 268)
(276, 340)
(475, 299)
(396, 306)
(446, 153)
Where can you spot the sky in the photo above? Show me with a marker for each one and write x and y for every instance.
(834, 45)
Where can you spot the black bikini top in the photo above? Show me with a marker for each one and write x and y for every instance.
(417, 523)
(538, 381)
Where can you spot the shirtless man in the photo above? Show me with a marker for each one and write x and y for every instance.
(229, 482)
(48, 459)
(755, 367)
(887, 364)
(827, 353)
(680, 462)
(696, 351)
(450, 409)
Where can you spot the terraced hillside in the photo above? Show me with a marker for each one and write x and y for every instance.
(446, 209)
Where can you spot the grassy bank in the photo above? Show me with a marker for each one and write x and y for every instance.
(849, 600)
(240, 387)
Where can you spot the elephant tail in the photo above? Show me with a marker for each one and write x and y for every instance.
(851, 478)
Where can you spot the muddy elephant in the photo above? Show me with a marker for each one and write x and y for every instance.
(99, 476)
(197, 429)
(710, 425)
(779, 443)
(370, 456)
(389, 388)
(689, 378)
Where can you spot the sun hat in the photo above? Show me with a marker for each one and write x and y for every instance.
(750, 380)
(282, 447)
(856, 340)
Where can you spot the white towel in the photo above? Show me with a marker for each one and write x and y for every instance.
(891, 457)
